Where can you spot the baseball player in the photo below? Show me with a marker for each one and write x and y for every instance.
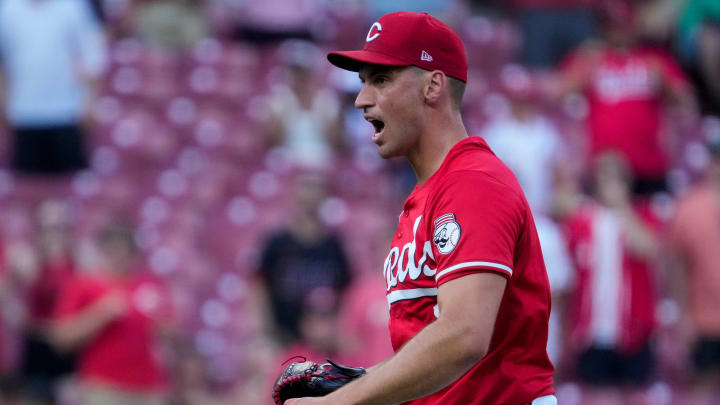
(466, 284)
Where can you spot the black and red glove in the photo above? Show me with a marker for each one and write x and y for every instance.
(310, 379)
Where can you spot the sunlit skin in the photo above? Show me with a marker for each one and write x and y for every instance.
(393, 96)
(413, 115)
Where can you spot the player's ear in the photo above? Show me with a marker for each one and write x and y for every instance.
(435, 86)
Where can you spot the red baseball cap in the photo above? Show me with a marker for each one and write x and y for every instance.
(408, 39)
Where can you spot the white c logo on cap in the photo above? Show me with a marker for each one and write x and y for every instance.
(374, 36)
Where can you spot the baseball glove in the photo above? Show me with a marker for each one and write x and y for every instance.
(309, 379)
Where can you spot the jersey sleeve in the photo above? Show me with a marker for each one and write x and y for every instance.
(475, 224)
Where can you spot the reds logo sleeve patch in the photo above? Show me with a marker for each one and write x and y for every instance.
(447, 233)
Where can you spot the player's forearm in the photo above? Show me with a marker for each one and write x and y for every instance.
(432, 360)
(375, 367)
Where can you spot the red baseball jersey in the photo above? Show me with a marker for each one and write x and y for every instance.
(625, 99)
(471, 217)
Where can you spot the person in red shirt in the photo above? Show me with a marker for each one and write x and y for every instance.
(466, 283)
(112, 319)
(41, 366)
(614, 242)
(627, 86)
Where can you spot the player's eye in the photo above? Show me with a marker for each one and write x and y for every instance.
(380, 79)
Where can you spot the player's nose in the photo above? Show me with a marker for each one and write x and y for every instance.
(364, 98)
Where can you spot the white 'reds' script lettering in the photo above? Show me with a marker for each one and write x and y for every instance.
(401, 263)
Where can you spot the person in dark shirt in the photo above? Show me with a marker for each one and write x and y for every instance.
(301, 258)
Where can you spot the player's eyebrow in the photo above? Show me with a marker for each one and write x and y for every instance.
(374, 70)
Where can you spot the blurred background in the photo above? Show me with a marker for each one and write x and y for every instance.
(188, 197)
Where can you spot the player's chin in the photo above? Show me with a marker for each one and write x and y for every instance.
(387, 152)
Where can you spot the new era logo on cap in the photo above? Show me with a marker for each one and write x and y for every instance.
(426, 57)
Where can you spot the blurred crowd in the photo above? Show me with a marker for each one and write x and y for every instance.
(188, 197)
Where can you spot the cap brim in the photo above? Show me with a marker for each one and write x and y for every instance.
(354, 60)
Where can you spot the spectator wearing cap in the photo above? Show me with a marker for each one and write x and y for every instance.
(627, 87)
(52, 55)
(694, 235)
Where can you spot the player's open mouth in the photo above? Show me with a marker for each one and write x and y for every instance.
(378, 124)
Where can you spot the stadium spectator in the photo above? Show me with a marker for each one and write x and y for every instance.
(42, 367)
(173, 25)
(113, 319)
(656, 21)
(626, 86)
(320, 337)
(271, 21)
(363, 319)
(191, 380)
(552, 28)
(20, 264)
(5, 287)
(52, 54)
(260, 372)
(526, 140)
(528, 143)
(699, 47)
(561, 277)
(300, 258)
(614, 245)
(9, 391)
(346, 85)
(695, 236)
(98, 10)
(302, 115)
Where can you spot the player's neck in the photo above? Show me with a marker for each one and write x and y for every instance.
(434, 144)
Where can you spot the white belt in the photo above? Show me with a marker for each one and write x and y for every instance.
(546, 400)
